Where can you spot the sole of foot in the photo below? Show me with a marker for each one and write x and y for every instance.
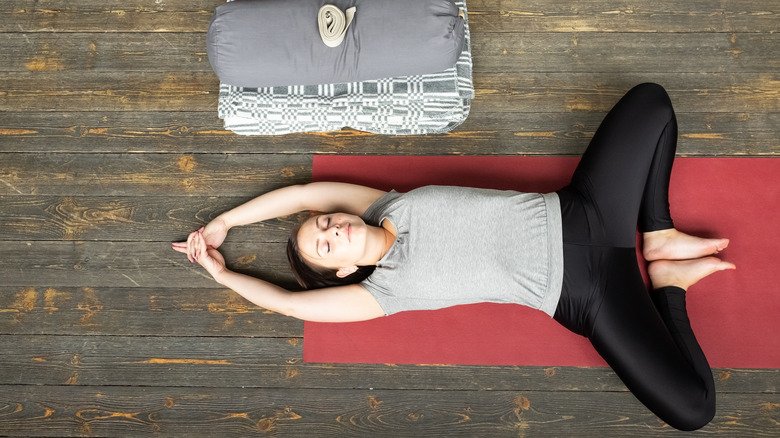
(676, 245)
(684, 273)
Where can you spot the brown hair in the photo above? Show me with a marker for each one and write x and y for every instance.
(315, 277)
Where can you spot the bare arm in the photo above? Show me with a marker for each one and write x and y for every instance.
(333, 304)
(320, 196)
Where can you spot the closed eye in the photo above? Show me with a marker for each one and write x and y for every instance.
(327, 224)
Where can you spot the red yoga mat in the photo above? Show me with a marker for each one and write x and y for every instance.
(733, 313)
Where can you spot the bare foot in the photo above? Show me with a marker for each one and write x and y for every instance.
(684, 273)
(671, 244)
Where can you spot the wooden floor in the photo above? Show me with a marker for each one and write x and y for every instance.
(110, 148)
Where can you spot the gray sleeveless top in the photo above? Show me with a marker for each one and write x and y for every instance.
(461, 245)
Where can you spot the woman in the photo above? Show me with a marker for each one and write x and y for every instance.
(569, 253)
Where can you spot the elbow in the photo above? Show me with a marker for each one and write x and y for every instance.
(287, 311)
(300, 192)
(291, 313)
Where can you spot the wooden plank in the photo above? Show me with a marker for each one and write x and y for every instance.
(162, 311)
(109, 91)
(502, 92)
(139, 219)
(132, 264)
(690, 92)
(625, 52)
(626, 16)
(493, 52)
(485, 132)
(151, 174)
(493, 15)
(64, 16)
(38, 52)
(125, 411)
(276, 363)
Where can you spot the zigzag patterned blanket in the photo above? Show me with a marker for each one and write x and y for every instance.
(403, 105)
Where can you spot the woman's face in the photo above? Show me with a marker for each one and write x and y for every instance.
(333, 240)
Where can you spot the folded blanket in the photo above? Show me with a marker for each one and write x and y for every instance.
(417, 104)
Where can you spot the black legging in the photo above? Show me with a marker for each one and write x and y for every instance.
(621, 181)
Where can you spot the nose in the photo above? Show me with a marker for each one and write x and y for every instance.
(335, 230)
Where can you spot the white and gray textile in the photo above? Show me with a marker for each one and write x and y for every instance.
(402, 105)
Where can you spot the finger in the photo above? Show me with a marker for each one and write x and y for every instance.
(204, 258)
(196, 244)
(179, 246)
(189, 248)
(181, 250)
(201, 248)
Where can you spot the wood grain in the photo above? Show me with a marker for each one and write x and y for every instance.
(138, 311)
(172, 16)
(97, 410)
(492, 52)
(485, 132)
(128, 218)
(274, 362)
(133, 264)
(150, 174)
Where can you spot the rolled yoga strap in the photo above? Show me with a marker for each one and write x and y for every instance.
(333, 24)
(259, 43)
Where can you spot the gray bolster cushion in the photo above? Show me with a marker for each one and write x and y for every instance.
(259, 43)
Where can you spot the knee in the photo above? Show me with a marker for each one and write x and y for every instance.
(650, 90)
(694, 414)
(653, 97)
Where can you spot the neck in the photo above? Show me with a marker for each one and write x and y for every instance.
(389, 239)
(384, 239)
